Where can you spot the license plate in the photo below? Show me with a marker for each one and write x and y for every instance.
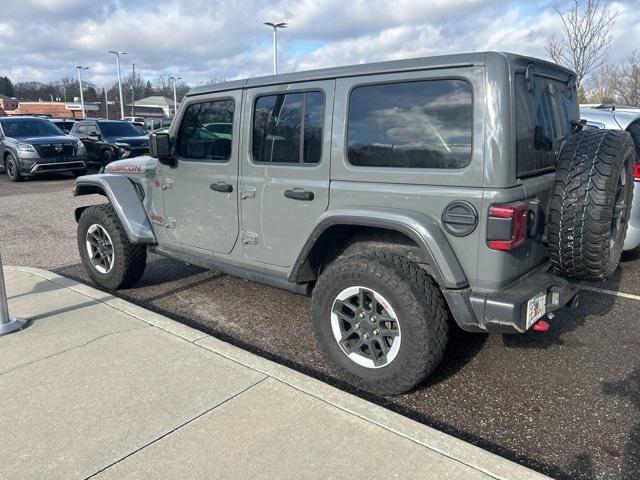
(536, 308)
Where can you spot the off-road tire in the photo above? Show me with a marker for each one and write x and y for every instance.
(420, 308)
(12, 172)
(130, 259)
(582, 242)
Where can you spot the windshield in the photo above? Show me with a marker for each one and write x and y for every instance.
(32, 127)
(118, 129)
(544, 110)
(64, 126)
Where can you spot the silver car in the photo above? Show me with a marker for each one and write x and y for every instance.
(627, 118)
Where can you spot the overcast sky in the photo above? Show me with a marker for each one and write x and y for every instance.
(205, 39)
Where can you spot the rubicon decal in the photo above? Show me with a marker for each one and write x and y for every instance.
(157, 219)
(114, 168)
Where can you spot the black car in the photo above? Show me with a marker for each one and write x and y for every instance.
(108, 140)
(30, 146)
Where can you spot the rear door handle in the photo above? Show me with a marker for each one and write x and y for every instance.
(221, 187)
(299, 195)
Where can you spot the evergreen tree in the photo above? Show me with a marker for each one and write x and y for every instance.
(6, 87)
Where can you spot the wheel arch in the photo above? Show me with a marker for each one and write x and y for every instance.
(413, 234)
(123, 195)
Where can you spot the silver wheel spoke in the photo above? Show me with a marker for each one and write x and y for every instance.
(365, 327)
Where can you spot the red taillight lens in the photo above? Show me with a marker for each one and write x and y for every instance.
(507, 228)
(636, 172)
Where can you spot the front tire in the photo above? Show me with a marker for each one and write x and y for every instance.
(111, 260)
(107, 156)
(381, 321)
(12, 169)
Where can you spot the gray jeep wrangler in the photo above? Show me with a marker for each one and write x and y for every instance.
(403, 196)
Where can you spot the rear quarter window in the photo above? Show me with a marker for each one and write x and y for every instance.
(417, 124)
(634, 130)
(543, 114)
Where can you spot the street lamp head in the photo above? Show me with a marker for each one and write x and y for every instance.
(117, 53)
(82, 68)
(276, 25)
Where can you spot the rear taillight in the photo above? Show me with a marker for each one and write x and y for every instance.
(636, 172)
(507, 228)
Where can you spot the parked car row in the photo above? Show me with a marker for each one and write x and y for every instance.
(30, 146)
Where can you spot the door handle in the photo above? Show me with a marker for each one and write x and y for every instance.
(299, 195)
(221, 187)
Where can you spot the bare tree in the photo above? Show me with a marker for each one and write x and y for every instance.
(602, 84)
(627, 83)
(585, 40)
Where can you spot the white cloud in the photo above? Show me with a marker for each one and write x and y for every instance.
(204, 39)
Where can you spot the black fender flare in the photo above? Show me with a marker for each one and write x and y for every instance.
(421, 228)
(122, 194)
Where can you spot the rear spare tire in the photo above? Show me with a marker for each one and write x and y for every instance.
(590, 203)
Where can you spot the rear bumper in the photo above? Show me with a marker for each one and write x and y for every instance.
(632, 240)
(505, 311)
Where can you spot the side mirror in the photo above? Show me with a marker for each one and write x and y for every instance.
(160, 148)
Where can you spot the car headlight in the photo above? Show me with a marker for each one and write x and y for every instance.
(80, 148)
(25, 148)
(122, 145)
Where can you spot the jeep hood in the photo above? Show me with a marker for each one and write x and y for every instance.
(143, 165)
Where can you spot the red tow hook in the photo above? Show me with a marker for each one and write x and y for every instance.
(541, 326)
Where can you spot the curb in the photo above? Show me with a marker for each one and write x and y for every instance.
(444, 444)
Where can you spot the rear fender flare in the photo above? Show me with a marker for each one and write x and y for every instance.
(123, 196)
(421, 228)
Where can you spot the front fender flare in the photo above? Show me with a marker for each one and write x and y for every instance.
(421, 228)
(123, 196)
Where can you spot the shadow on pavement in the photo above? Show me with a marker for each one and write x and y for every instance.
(629, 388)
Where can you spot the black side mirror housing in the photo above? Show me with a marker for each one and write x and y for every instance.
(160, 148)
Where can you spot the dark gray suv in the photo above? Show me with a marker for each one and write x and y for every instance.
(31, 146)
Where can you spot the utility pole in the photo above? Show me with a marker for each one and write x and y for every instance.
(80, 85)
(133, 93)
(175, 96)
(117, 54)
(275, 27)
(106, 103)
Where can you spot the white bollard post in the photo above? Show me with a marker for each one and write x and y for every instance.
(7, 324)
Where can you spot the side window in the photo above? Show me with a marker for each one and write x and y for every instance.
(417, 124)
(206, 131)
(287, 128)
(156, 124)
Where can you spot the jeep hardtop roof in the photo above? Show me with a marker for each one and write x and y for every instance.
(442, 61)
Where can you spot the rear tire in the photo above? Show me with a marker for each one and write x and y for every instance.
(590, 204)
(111, 260)
(386, 286)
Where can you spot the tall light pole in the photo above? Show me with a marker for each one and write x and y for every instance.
(117, 54)
(79, 68)
(275, 27)
(175, 96)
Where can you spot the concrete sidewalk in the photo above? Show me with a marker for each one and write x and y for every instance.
(96, 387)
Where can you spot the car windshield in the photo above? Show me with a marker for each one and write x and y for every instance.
(119, 129)
(32, 127)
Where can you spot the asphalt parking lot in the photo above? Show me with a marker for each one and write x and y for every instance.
(565, 402)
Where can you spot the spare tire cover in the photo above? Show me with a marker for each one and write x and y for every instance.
(590, 203)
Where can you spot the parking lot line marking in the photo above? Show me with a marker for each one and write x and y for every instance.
(611, 292)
